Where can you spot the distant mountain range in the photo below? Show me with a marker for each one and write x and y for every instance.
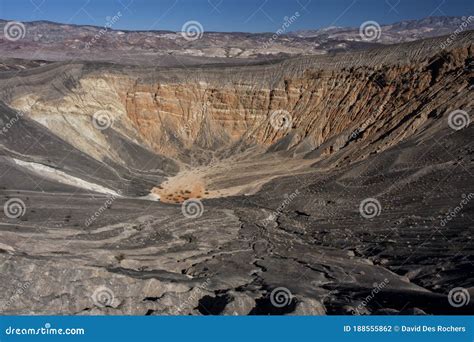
(408, 30)
(44, 40)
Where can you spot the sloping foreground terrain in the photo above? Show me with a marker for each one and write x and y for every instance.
(314, 185)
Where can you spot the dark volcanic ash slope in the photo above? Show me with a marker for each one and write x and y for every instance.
(283, 201)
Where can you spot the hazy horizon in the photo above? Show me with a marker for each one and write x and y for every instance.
(257, 32)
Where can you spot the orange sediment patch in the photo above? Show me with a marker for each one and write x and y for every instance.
(227, 178)
(183, 186)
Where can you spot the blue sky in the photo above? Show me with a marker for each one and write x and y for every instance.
(229, 15)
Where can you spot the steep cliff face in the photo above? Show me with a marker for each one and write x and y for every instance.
(308, 107)
(388, 103)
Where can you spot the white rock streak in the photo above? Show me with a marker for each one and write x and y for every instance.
(64, 178)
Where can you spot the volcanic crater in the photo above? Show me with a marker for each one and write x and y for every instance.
(281, 155)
